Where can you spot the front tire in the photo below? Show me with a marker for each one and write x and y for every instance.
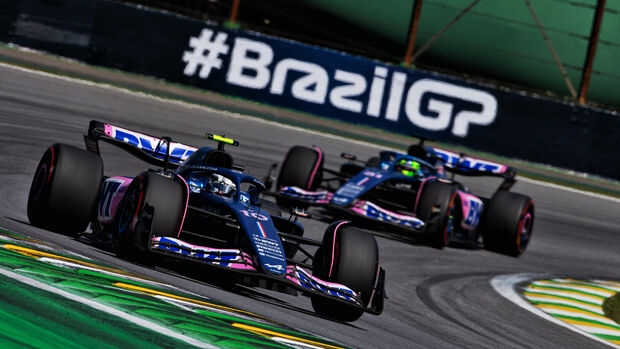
(65, 188)
(508, 222)
(152, 203)
(350, 257)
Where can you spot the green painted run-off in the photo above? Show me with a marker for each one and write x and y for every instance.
(31, 317)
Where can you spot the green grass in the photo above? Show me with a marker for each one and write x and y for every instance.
(611, 307)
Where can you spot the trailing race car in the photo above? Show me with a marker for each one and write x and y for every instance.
(207, 211)
(411, 194)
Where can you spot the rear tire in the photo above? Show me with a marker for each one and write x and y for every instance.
(350, 257)
(64, 191)
(152, 203)
(445, 199)
(507, 224)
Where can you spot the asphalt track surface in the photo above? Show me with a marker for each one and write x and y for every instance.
(437, 298)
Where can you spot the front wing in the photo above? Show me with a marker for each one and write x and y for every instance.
(361, 208)
(295, 276)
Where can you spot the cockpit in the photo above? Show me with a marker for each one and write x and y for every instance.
(407, 165)
(410, 168)
(222, 182)
(211, 183)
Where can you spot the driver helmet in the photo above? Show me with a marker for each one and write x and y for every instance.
(220, 185)
(410, 168)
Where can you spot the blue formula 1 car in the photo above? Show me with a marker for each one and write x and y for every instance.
(206, 211)
(411, 195)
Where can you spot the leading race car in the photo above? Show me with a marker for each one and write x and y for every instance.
(411, 195)
(207, 211)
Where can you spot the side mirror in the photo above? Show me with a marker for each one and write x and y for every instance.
(299, 212)
(347, 156)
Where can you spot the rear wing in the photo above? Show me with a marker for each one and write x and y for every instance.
(469, 166)
(156, 151)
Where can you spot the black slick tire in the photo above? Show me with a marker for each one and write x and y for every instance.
(65, 188)
(152, 203)
(507, 223)
(302, 168)
(348, 256)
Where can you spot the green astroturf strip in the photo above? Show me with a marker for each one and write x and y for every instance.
(119, 278)
(31, 317)
(167, 314)
(563, 297)
(171, 315)
(112, 299)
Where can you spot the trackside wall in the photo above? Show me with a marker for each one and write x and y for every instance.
(315, 80)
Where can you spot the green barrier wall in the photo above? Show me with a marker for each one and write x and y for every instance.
(389, 19)
(500, 39)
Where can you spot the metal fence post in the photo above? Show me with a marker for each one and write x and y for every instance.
(587, 70)
(415, 19)
(232, 21)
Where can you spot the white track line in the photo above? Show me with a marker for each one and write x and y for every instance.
(106, 309)
(569, 189)
(268, 122)
(505, 285)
